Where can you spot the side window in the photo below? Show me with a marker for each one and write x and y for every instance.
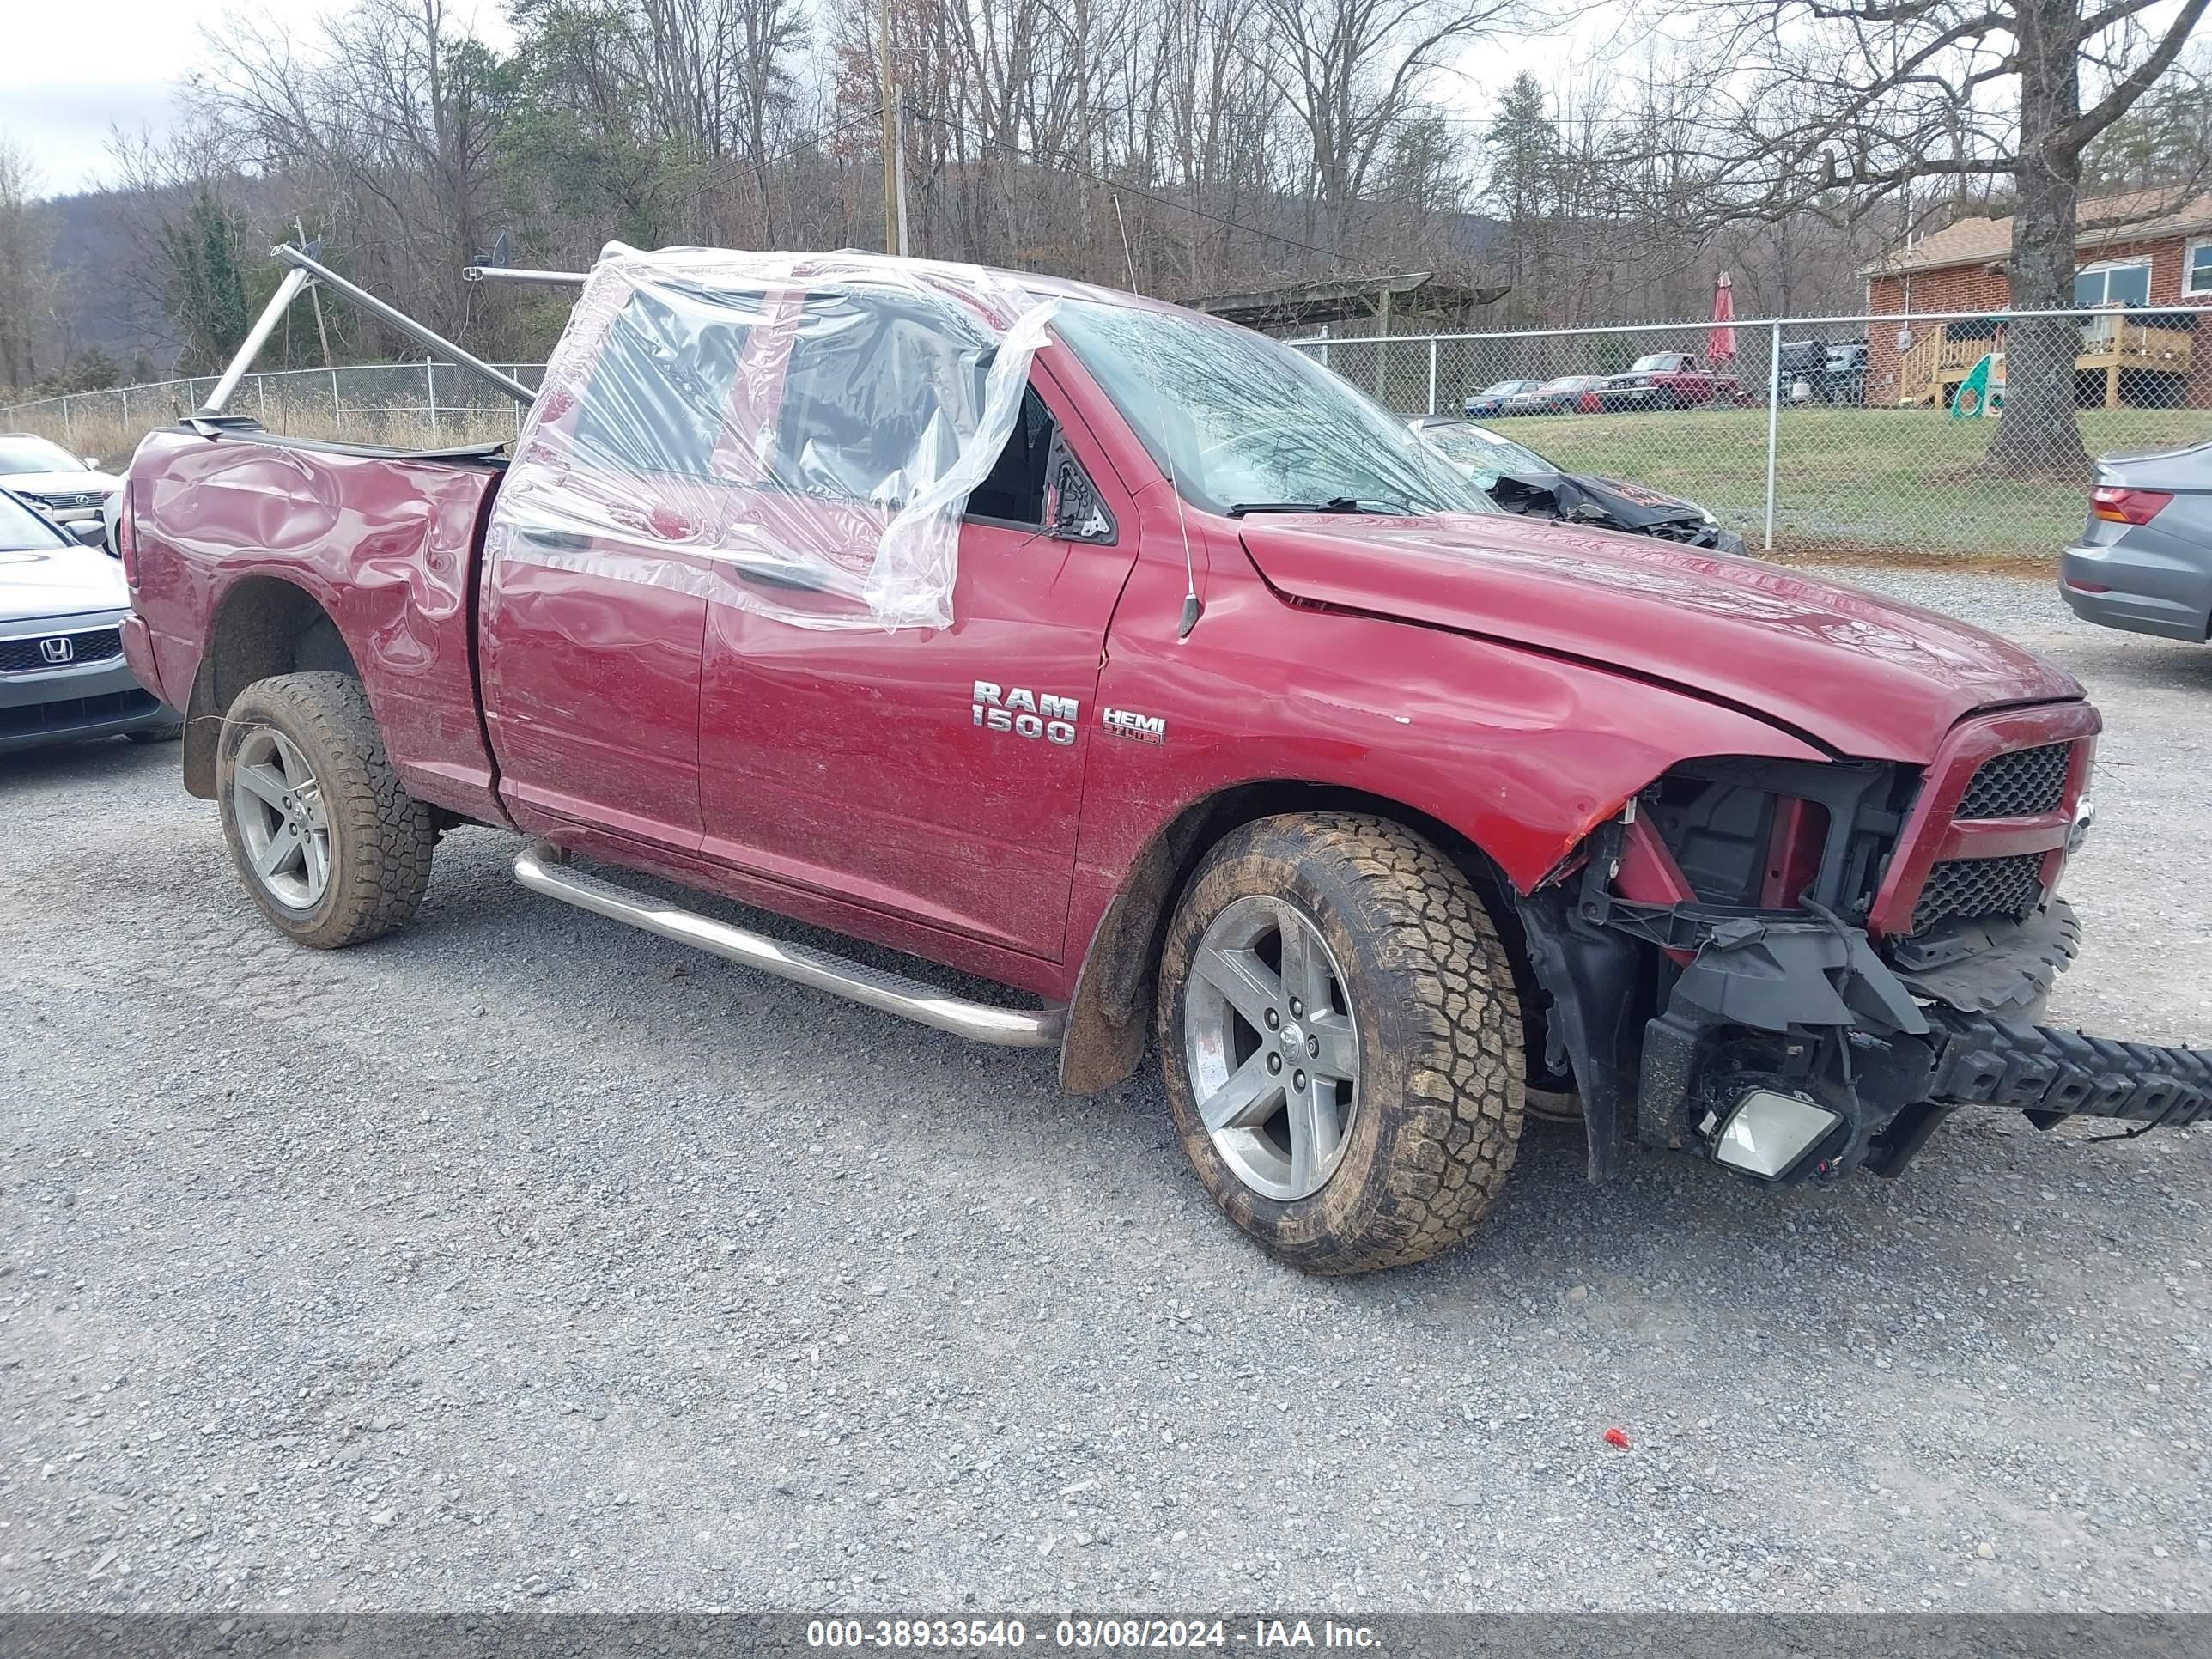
(1014, 490)
(879, 387)
(658, 390)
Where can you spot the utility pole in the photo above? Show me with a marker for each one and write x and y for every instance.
(315, 300)
(906, 236)
(894, 186)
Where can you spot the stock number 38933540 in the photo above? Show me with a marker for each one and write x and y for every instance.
(1071, 1634)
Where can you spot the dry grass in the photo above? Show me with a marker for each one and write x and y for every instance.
(107, 438)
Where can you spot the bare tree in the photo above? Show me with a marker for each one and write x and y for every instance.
(1851, 101)
(386, 120)
(1353, 71)
(28, 283)
(716, 77)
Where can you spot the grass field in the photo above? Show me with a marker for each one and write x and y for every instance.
(1850, 484)
(1886, 484)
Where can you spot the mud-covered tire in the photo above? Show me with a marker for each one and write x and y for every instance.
(1437, 1109)
(380, 838)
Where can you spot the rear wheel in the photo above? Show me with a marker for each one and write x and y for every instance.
(330, 846)
(1341, 1038)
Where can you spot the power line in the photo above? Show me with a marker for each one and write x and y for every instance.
(1130, 190)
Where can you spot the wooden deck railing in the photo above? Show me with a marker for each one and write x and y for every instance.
(1936, 362)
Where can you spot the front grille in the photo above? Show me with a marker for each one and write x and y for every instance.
(70, 713)
(93, 646)
(1975, 889)
(2025, 783)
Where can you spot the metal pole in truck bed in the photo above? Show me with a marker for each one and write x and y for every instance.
(517, 274)
(256, 338)
(428, 338)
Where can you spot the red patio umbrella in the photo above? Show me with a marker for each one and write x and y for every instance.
(1720, 342)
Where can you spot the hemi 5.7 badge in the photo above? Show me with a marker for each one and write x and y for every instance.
(1128, 723)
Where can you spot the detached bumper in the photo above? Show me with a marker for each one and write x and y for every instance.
(2054, 1075)
(1807, 1020)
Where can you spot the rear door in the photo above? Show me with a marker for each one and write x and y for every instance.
(599, 557)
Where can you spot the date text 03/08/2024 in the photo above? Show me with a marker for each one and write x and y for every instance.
(1091, 1634)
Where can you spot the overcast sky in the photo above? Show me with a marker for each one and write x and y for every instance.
(75, 68)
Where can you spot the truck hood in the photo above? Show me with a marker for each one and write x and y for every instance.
(36, 583)
(1864, 675)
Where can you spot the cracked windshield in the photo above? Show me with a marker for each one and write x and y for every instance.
(1246, 424)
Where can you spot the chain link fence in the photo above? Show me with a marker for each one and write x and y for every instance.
(419, 405)
(1837, 437)
(1843, 438)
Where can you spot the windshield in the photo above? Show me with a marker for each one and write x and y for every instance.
(1241, 420)
(1483, 453)
(1656, 361)
(23, 530)
(20, 452)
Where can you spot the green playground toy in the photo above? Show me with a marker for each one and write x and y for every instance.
(1981, 392)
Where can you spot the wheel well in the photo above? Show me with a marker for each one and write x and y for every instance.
(263, 625)
(1110, 1018)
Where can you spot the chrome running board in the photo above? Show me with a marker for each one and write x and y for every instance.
(542, 867)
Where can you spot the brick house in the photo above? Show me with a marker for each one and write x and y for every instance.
(2134, 251)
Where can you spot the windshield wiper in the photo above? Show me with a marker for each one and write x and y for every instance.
(1333, 504)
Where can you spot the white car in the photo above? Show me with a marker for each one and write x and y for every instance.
(70, 490)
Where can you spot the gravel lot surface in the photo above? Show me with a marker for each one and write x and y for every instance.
(520, 1260)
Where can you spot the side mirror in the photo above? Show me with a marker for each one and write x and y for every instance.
(91, 463)
(88, 532)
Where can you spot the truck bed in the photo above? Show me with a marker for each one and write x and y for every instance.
(231, 523)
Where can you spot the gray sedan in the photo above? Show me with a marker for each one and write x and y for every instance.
(62, 672)
(2144, 563)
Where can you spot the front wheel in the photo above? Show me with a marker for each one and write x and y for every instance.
(1340, 1037)
(330, 846)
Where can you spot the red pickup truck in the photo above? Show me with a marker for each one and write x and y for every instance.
(1669, 379)
(1251, 728)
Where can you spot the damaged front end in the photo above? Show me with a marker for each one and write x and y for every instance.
(1797, 968)
(1614, 504)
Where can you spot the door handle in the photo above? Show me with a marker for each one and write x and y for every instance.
(776, 573)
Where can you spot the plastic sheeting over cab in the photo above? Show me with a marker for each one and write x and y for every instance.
(795, 434)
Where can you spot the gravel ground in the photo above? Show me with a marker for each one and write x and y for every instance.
(523, 1261)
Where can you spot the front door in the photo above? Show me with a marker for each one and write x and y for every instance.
(933, 773)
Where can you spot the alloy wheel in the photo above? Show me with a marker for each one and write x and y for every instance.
(282, 820)
(1272, 1047)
